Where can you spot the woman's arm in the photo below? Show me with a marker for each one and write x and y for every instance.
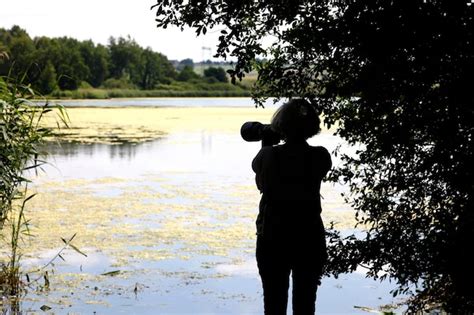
(257, 162)
(324, 160)
(257, 167)
(327, 159)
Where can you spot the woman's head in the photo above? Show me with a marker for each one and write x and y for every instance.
(296, 119)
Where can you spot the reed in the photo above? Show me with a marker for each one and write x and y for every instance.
(21, 136)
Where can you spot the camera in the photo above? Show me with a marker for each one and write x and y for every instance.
(256, 131)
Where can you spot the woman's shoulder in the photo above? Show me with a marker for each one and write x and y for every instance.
(266, 150)
(322, 155)
(261, 157)
(267, 153)
(319, 150)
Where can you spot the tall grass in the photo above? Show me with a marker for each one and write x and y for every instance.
(21, 135)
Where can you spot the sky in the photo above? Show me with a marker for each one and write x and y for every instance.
(98, 20)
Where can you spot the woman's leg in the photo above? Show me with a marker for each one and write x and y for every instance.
(275, 272)
(309, 257)
(305, 284)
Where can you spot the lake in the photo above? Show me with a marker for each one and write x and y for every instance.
(166, 220)
(244, 102)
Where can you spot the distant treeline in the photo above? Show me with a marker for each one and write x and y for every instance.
(55, 65)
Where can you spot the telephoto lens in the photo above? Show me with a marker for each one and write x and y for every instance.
(256, 131)
(252, 131)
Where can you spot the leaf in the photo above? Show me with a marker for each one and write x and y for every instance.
(45, 308)
(34, 166)
(67, 242)
(111, 273)
(46, 280)
(77, 250)
(28, 198)
(366, 309)
(72, 237)
(5, 136)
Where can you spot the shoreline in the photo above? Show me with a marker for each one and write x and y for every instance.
(53, 98)
(105, 94)
(234, 101)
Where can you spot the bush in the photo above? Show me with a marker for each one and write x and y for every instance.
(121, 83)
(217, 73)
(187, 74)
(85, 85)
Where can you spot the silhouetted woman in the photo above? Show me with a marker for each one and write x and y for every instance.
(290, 232)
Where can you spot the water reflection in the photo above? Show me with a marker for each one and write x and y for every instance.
(202, 156)
(206, 142)
(126, 150)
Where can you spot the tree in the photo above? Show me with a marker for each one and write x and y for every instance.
(143, 67)
(125, 57)
(396, 77)
(154, 68)
(96, 59)
(187, 74)
(185, 62)
(20, 49)
(69, 62)
(47, 81)
(217, 73)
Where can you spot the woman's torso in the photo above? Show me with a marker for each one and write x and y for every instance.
(289, 177)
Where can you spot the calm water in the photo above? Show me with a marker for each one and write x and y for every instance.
(167, 102)
(214, 165)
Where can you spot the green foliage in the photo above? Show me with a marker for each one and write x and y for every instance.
(185, 62)
(17, 43)
(21, 135)
(47, 81)
(396, 77)
(121, 83)
(187, 74)
(64, 63)
(173, 89)
(19, 139)
(217, 73)
(97, 60)
(155, 69)
(143, 67)
(61, 66)
(124, 57)
(10, 273)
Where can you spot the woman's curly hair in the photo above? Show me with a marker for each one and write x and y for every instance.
(296, 119)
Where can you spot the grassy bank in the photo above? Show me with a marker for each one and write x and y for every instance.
(175, 89)
(119, 93)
